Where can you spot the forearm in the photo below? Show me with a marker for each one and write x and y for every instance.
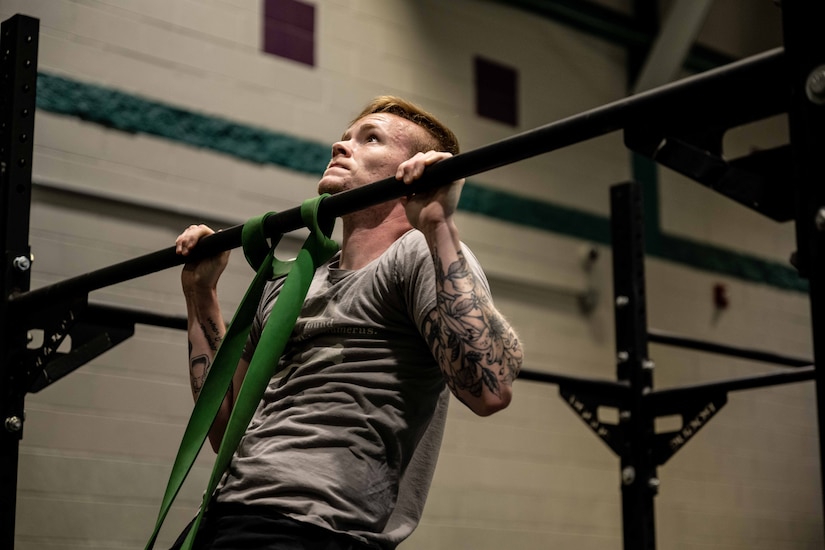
(476, 348)
(206, 329)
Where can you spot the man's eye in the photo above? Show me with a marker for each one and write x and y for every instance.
(372, 137)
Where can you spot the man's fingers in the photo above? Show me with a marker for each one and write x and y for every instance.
(187, 240)
(412, 169)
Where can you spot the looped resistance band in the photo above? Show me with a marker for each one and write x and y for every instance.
(317, 249)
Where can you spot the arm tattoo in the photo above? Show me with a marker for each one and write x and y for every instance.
(198, 369)
(474, 345)
(199, 365)
(212, 334)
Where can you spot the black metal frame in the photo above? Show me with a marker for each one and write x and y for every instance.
(18, 44)
(679, 125)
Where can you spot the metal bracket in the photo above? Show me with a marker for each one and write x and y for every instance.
(90, 336)
(586, 407)
(695, 414)
(754, 181)
(56, 323)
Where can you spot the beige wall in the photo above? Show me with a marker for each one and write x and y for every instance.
(99, 443)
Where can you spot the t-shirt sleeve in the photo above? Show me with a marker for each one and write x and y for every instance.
(415, 268)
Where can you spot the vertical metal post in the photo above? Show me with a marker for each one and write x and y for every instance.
(18, 44)
(802, 22)
(638, 469)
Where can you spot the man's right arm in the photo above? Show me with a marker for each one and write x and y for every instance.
(206, 328)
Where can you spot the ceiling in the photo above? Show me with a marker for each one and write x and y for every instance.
(727, 30)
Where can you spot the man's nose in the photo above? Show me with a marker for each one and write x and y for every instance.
(341, 148)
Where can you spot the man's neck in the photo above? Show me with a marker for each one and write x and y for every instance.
(368, 233)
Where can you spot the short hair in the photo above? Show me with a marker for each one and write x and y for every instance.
(443, 139)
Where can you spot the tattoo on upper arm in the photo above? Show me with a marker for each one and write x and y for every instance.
(471, 341)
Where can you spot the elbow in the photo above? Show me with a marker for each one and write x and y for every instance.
(492, 403)
(215, 440)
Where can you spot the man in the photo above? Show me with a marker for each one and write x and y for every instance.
(342, 448)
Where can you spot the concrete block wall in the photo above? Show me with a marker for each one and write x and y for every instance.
(98, 444)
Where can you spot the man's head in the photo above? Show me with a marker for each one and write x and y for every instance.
(385, 134)
(442, 138)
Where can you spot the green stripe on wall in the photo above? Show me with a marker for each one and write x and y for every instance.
(727, 262)
(129, 113)
(533, 213)
(133, 114)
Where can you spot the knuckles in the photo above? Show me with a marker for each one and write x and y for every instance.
(190, 236)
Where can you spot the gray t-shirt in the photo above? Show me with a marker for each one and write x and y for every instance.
(347, 437)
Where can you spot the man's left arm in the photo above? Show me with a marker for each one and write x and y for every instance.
(477, 349)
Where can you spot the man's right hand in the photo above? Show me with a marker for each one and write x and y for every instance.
(200, 275)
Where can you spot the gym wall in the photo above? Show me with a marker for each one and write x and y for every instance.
(155, 114)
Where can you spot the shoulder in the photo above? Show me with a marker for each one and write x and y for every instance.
(411, 241)
(408, 250)
(412, 248)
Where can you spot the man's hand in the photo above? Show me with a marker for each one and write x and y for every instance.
(202, 274)
(433, 207)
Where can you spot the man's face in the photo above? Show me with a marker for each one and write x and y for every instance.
(370, 150)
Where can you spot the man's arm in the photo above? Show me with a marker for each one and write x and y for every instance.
(477, 349)
(206, 328)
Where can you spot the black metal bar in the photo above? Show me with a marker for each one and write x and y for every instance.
(107, 314)
(708, 92)
(659, 337)
(805, 70)
(655, 400)
(18, 44)
(639, 480)
(598, 388)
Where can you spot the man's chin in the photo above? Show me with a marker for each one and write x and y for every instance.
(329, 187)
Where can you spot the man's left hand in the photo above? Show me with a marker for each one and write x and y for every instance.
(432, 207)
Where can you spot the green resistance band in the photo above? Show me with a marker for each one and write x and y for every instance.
(317, 249)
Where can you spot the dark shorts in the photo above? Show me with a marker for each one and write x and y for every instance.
(239, 527)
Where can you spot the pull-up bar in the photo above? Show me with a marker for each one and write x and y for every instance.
(718, 92)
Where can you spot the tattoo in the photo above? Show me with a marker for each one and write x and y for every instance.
(475, 346)
(214, 326)
(198, 369)
(212, 335)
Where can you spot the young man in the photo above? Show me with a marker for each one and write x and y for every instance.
(342, 448)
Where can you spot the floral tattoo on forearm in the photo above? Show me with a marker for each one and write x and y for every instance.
(475, 346)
